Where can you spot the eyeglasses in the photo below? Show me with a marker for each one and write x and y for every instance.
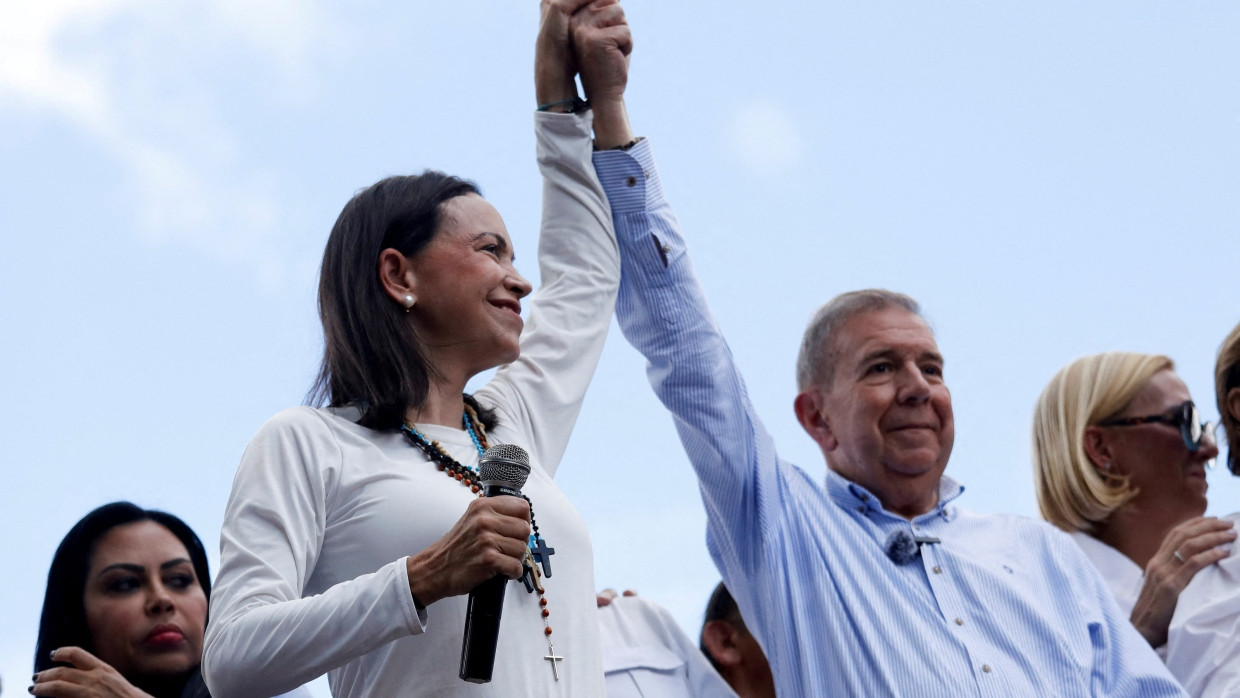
(1183, 416)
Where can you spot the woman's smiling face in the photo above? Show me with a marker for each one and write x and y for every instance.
(468, 308)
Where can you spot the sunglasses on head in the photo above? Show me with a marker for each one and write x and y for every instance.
(1183, 416)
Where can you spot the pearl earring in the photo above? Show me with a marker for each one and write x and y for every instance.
(408, 302)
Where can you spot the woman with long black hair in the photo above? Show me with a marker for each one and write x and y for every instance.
(354, 529)
(125, 608)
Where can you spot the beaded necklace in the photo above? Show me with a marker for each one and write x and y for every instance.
(538, 554)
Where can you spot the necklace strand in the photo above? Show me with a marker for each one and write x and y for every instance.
(468, 477)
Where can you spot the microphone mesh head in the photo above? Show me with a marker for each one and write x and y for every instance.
(504, 463)
(902, 547)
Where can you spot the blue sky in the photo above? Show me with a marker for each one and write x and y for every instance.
(1050, 179)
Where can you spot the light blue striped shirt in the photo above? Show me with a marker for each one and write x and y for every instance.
(1003, 606)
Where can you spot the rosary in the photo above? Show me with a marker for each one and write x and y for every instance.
(538, 554)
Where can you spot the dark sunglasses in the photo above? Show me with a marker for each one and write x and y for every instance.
(1183, 416)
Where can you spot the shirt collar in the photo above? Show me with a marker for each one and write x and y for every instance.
(850, 495)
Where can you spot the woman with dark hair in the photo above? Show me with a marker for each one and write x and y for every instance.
(125, 608)
(1203, 641)
(1227, 395)
(354, 530)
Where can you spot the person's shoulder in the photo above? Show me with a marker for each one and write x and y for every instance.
(635, 605)
(1013, 528)
(1035, 544)
(310, 431)
(306, 419)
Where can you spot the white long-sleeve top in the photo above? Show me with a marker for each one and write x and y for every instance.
(324, 512)
(1203, 641)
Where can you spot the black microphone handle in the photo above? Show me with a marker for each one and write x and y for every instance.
(482, 615)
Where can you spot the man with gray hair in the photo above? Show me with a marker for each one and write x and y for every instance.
(871, 581)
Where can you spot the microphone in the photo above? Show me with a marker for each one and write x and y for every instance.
(502, 469)
(902, 547)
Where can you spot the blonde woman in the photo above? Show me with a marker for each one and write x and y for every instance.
(1120, 458)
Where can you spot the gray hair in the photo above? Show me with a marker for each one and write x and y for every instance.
(816, 362)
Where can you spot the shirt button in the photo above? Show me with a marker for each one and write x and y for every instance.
(959, 622)
(938, 570)
(986, 668)
(631, 181)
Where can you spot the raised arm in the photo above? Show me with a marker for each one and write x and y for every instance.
(663, 311)
(578, 260)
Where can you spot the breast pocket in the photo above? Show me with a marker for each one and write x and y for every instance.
(650, 671)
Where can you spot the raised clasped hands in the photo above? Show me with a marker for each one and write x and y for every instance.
(590, 37)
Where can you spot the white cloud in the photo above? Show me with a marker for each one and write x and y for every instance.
(31, 71)
(765, 138)
(286, 31)
(122, 72)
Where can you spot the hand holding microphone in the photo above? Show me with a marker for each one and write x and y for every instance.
(490, 539)
(502, 470)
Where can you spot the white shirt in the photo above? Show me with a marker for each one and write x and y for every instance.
(1203, 642)
(647, 655)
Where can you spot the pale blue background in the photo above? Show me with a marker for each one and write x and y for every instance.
(1049, 178)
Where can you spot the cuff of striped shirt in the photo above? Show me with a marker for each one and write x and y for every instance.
(629, 178)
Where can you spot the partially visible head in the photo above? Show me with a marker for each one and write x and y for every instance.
(819, 346)
(732, 649)
(873, 396)
(1090, 459)
(1227, 393)
(373, 354)
(129, 585)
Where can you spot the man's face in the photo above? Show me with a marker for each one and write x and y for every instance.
(887, 414)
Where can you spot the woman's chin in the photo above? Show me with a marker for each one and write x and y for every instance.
(168, 669)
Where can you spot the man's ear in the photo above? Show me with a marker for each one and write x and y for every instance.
(808, 406)
(1098, 450)
(719, 638)
(396, 275)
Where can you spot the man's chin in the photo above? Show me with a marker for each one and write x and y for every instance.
(916, 465)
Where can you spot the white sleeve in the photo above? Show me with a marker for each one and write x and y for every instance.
(263, 638)
(570, 313)
(1203, 640)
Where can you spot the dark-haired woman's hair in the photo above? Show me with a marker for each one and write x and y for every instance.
(1227, 378)
(372, 355)
(63, 622)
